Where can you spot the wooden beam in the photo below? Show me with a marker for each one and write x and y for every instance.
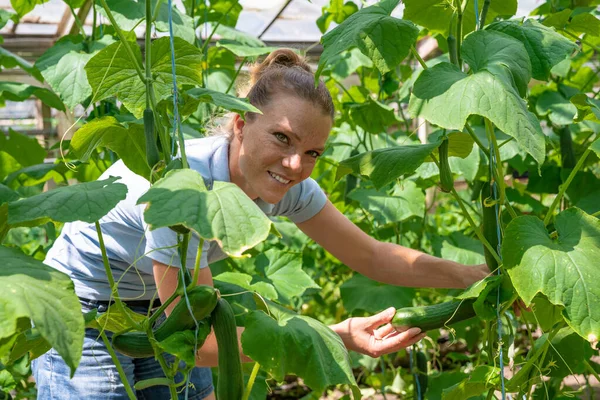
(82, 14)
(61, 28)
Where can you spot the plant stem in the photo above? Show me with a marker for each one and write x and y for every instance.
(596, 214)
(471, 133)
(111, 279)
(483, 15)
(594, 47)
(237, 72)
(591, 369)
(128, 49)
(162, 308)
(459, 22)
(207, 40)
(565, 186)
(77, 21)
(197, 262)
(117, 363)
(148, 52)
(156, 9)
(418, 57)
(251, 380)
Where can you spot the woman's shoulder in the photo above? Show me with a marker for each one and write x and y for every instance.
(210, 157)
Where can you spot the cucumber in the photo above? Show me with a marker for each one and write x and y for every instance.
(567, 154)
(421, 375)
(203, 300)
(435, 316)
(351, 181)
(446, 178)
(230, 385)
(489, 226)
(152, 156)
(452, 52)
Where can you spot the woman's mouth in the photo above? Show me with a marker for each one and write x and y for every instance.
(279, 178)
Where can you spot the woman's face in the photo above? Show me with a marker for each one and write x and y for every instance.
(279, 148)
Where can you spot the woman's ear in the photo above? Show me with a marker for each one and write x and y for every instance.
(238, 125)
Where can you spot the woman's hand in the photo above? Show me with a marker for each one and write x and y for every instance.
(375, 335)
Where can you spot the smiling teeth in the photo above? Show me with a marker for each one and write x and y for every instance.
(278, 178)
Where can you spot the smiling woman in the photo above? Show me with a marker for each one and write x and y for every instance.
(270, 156)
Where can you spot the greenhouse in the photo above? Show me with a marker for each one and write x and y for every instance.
(294, 199)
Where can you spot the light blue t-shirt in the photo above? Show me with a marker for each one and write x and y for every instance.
(131, 245)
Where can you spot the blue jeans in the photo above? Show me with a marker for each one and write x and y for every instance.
(97, 378)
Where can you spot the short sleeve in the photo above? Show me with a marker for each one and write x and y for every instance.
(161, 245)
(302, 202)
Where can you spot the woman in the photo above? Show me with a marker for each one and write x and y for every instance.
(270, 157)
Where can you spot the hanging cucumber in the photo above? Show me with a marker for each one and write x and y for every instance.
(230, 385)
(435, 316)
(202, 298)
(152, 156)
(567, 153)
(446, 179)
(489, 226)
(452, 52)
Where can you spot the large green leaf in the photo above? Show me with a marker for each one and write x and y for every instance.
(87, 202)
(127, 13)
(562, 266)
(435, 15)
(496, 52)
(243, 50)
(129, 144)
(384, 39)
(480, 380)
(224, 214)
(362, 293)
(220, 99)
(386, 165)
(112, 72)
(62, 65)
(226, 12)
(242, 280)
(14, 91)
(568, 353)
(587, 108)
(29, 289)
(22, 7)
(559, 110)
(445, 96)
(11, 60)
(585, 23)
(286, 343)
(346, 63)
(405, 201)
(337, 12)
(183, 25)
(373, 116)
(27, 151)
(546, 47)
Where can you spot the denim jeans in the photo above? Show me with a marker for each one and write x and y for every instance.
(97, 378)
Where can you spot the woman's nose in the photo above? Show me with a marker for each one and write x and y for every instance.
(293, 162)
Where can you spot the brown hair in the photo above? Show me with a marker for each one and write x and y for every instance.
(284, 70)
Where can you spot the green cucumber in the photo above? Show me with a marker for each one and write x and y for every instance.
(152, 156)
(230, 385)
(567, 153)
(446, 178)
(202, 298)
(489, 226)
(452, 49)
(435, 316)
(421, 375)
(351, 181)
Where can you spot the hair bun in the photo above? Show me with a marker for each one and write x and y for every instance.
(280, 58)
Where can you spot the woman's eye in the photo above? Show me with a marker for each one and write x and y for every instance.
(281, 137)
(313, 154)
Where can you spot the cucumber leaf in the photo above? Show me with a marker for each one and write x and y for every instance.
(362, 293)
(14, 91)
(87, 202)
(32, 290)
(284, 342)
(561, 266)
(224, 214)
(112, 72)
(128, 143)
(384, 39)
(480, 380)
(545, 47)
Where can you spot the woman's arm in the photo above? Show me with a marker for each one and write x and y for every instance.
(385, 262)
(373, 335)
